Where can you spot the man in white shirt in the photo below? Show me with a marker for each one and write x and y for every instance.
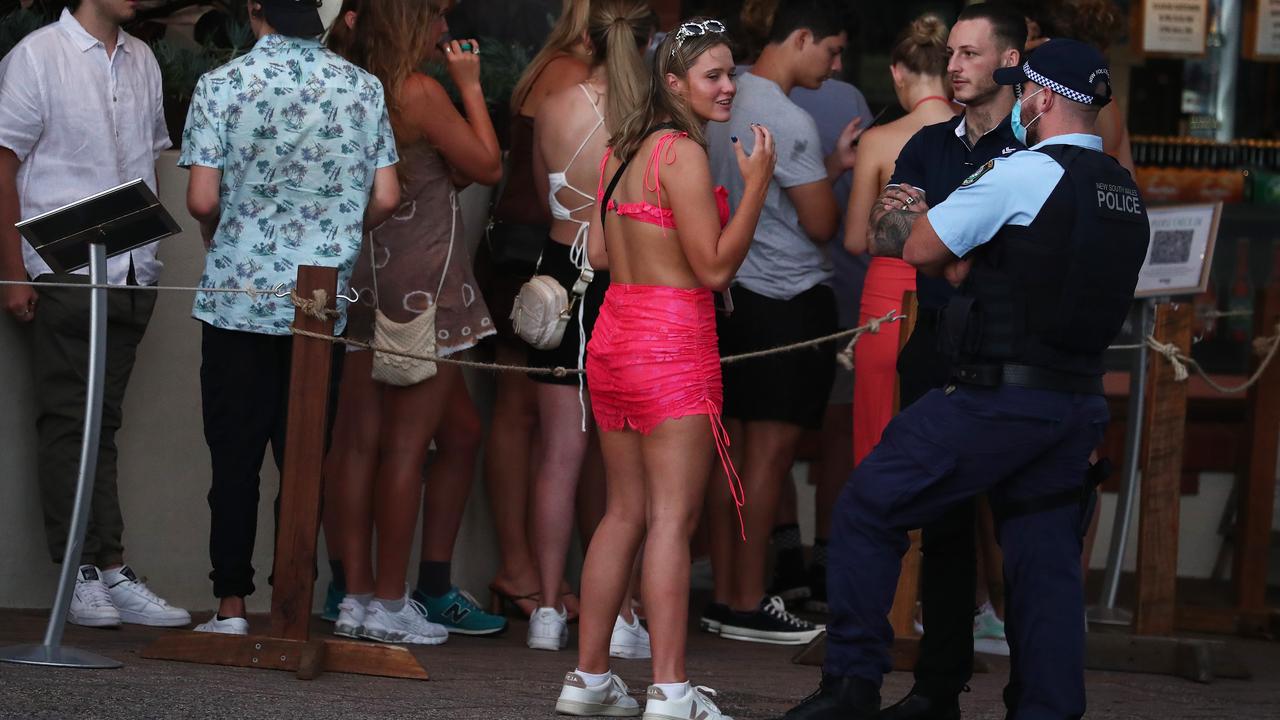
(81, 111)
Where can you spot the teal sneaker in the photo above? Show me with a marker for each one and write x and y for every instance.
(332, 597)
(458, 611)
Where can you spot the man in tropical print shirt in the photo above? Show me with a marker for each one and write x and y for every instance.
(291, 156)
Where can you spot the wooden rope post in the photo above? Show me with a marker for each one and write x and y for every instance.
(902, 615)
(299, 524)
(286, 647)
(1165, 427)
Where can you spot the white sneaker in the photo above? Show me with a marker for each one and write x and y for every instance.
(608, 698)
(230, 626)
(91, 604)
(548, 629)
(696, 703)
(350, 622)
(988, 632)
(408, 625)
(137, 604)
(630, 641)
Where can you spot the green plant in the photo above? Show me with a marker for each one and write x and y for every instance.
(501, 64)
(181, 66)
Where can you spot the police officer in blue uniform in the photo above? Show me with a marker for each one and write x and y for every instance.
(1045, 246)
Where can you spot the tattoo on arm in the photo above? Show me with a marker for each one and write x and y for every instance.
(890, 233)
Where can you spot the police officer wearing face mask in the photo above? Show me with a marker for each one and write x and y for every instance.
(1045, 247)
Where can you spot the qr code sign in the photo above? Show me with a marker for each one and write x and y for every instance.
(1171, 247)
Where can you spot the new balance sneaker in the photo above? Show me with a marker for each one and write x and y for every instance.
(548, 629)
(408, 625)
(770, 623)
(630, 640)
(351, 614)
(610, 698)
(91, 604)
(137, 604)
(696, 703)
(988, 632)
(225, 626)
(714, 616)
(333, 596)
(458, 611)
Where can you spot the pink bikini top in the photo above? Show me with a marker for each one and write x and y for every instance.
(647, 212)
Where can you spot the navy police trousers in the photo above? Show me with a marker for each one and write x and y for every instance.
(1016, 444)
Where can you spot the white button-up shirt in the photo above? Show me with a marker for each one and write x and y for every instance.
(81, 122)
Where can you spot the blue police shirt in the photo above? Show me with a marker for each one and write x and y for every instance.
(937, 159)
(1004, 191)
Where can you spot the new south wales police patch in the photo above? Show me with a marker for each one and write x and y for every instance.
(981, 171)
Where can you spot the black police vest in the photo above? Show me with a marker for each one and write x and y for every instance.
(1054, 294)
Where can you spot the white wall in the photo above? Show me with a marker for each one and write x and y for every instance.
(164, 463)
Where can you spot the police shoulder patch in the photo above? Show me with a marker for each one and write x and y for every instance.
(981, 171)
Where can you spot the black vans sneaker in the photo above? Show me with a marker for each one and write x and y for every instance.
(714, 616)
(770, 623)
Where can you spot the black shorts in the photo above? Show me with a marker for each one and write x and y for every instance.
(790, 387)
(556, 263)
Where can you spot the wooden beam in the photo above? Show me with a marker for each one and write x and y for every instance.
(303, 658)
(1256, 485)
(1262, 624)
(1163, 432)
(903, 613)
(300, 481)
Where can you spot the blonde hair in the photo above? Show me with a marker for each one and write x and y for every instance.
(390, 40)
(566, 33)
(619, 30)
(675, 56)
(922, 46)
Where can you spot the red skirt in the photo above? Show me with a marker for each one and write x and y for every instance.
(875, 357)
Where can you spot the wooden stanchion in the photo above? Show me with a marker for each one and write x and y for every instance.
(1255, 497)
(1166, 419)
(287, 646)
(903, 614)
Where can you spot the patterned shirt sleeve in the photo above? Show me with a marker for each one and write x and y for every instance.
(202, 140)
(386, 140)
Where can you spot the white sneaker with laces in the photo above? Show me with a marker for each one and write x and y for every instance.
(137, 604)
(91, 604)
(229, 626)
(351, 614)
(988, 632)
(408, 625)
(609, 698)
(630, 640)
(548, 629)
(695, 704)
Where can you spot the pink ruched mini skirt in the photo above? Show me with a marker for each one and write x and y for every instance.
(654, 356)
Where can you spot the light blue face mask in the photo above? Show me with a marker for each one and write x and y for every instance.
(1015, 119)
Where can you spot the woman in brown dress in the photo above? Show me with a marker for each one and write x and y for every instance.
(415, 261)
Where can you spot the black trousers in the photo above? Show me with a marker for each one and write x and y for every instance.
(949, 558)
(244, 388)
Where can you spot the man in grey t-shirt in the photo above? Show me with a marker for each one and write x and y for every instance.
(782, 294)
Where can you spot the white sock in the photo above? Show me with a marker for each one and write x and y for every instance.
(593, 680)
(673, 691)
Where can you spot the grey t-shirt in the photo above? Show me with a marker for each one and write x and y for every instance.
(783, 262)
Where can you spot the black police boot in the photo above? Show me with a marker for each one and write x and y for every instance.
(919, 706)
(838, 698)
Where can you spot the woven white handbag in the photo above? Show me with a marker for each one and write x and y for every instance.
(417, 336)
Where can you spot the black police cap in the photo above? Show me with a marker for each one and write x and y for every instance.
(1070, 68)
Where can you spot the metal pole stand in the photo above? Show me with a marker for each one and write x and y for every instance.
(1106, 612)
(51, 652)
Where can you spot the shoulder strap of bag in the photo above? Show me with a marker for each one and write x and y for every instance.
(608, 193)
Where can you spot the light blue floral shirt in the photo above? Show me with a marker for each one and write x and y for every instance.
(298, 133)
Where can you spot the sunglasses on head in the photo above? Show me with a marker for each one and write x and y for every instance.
(696, 29)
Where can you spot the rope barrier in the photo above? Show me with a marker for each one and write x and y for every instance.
(1266, 347)
(872, 326)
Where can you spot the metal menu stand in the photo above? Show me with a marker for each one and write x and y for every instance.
(87, 232)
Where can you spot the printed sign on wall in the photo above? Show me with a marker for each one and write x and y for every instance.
(1173, 27)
